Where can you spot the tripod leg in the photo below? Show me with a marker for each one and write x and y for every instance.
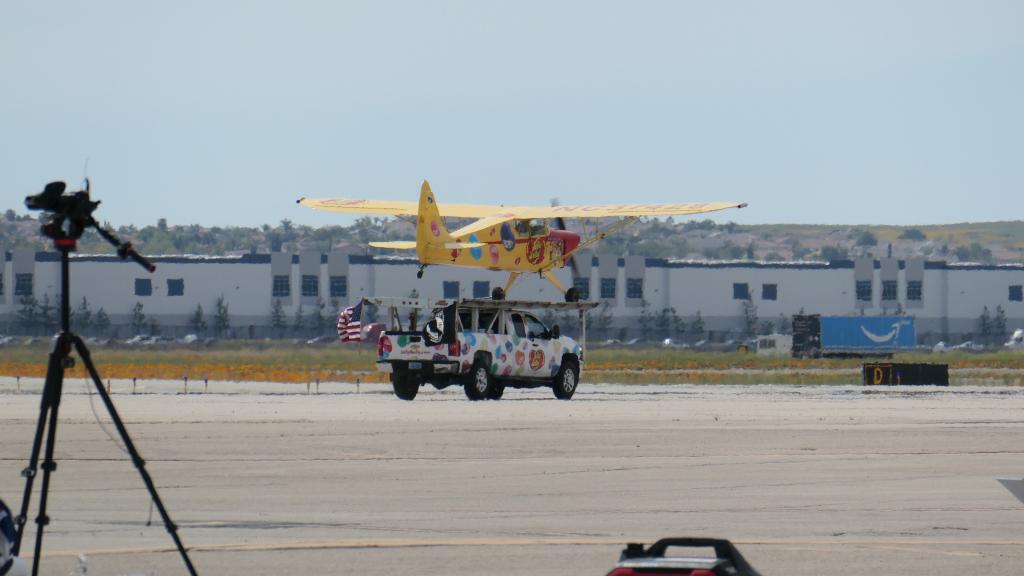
(47, 414)
(140, 464)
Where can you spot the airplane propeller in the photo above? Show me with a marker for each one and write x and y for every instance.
(573, 266)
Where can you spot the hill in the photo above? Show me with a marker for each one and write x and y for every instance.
(987, 242)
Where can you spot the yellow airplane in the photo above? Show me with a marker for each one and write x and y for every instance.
(513, 238)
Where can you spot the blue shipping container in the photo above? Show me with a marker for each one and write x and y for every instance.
(867, 333)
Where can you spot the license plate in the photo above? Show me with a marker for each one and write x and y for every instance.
(415, 365)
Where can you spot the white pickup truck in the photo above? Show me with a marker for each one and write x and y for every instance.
(486, 346)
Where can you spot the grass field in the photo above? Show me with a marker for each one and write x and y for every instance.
(287, 362)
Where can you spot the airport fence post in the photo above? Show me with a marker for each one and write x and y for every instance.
(133, 384)
(186, 384)
(206, 385)
(108, 385)
(17, 379)
(318, 385)
(307, 386)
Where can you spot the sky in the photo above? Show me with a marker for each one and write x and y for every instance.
(226, 112)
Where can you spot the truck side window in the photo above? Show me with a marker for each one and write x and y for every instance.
(486, 320)
(466, 319)
(518, 325)
(535, 328)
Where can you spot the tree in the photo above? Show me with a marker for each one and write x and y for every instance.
(913, 234)
(277, 318)
(197, 322)
(749, 319)
(81, 319)
(697, 331)
(645, 320)
(221, 319)
(785, 324)
(663, 323)
(831, 253)
(603, 322)
(678, 324)
(28, 314)
(138, 322)
(316, 318)
(47, 315)
(299, 323)
(999, 331)
(866, 238)
(102, 322)
(985, 326)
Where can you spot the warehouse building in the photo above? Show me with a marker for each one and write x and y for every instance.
(946, 299)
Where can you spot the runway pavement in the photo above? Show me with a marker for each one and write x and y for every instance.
(263, 480)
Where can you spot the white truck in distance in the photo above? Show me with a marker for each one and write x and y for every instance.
(482, 345)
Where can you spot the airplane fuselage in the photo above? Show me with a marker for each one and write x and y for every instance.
(515, 246)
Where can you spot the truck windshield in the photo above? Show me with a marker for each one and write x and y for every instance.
(535, 328)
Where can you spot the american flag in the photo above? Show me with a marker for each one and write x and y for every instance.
(350, 323)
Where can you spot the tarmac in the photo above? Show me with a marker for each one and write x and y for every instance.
(268, 479)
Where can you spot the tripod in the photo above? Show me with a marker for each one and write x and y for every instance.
(72, 216)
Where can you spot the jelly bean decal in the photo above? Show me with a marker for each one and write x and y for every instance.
(476, 253)
(520, 357)
(434, 228)
(508, 239)
(536, 359)
(495, 253)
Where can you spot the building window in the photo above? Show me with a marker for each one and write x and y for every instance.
(635, 288)
(740, 291)
(282, 287)
(339, 286)
(310, 285)
(888, 289)
(175, 286)
(143, 287)
(1016, 293)
(582, 285)
(864, 290)
(481, 289)
(914, 290)
(22, 284)
(769, 291)
(450, 290)
(608, 288)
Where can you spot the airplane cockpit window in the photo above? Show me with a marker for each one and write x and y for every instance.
(522, 227)
(538, 228)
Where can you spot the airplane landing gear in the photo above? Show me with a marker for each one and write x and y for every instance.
(497, 293)
(419, 273)
(572, 294)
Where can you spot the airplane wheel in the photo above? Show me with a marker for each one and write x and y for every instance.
(572, 295)
(497, 293)
(568, 377)
(404, 384)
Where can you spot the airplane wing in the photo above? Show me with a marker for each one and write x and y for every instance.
(497, 214)
(621, 210)
(396, 207)
(411, 245)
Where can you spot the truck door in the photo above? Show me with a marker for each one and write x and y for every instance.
(538, 354)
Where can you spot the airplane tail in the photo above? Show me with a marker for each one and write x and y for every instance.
(430, 228)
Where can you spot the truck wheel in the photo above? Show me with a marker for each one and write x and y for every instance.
(480, 384)
(497, 392)
(564, 385)
(405, 385)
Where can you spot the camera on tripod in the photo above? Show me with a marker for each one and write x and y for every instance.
(71, 213)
